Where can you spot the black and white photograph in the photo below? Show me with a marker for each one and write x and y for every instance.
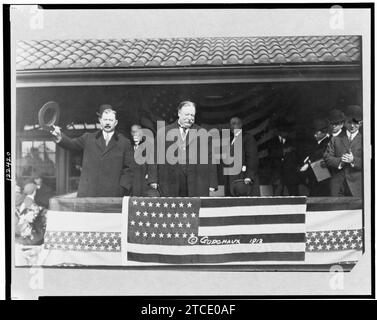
(190, 151)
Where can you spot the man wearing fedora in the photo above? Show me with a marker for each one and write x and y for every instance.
(107, 157)
(316, 148)
(144, 181)
(187, 177)
(246, 183)
(344, 155)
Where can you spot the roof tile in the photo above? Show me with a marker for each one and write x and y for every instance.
(186, 52)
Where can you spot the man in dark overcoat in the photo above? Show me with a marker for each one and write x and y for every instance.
(250, 160)
(344, 155)
(144, 179)
(107, 158)
(283, 160)
(314, 152)
(188, 176)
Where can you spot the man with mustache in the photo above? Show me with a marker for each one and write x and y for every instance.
(186, 178)
(107, 157)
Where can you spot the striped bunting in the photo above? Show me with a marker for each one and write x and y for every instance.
(82, 238)
(227, 232)
(334, 233)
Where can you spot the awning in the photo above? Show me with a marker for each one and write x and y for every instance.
(187, 60)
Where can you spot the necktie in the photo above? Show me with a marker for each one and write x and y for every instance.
(107, 139)
(184, 132)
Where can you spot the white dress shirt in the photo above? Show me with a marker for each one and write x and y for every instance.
(183, 131)
(351, 136)
(107, 136)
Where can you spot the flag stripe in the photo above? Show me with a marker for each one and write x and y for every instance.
(84, 221)
(331, 220)
(247, 220)
(100, 205)
(56, 257)
(333, 204)
(332, 257)
(251, 210)
(114, 205)
(209, 202)
(217, 258)
(124, 239)
(215, 249)
(251, 229)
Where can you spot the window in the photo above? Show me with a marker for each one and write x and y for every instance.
(37, 157)
(74, 164)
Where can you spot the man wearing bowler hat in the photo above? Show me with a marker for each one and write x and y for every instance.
(316, 148)
(344, 155)
(336, 120)
(107, 157)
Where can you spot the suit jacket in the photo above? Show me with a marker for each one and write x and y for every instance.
(106, 170)
(143, 174)
(338, 146)
(200, 176)
(315, 152)
(283, 161)
(43, 196)
(250, 160)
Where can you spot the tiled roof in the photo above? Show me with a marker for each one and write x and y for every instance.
(186, 52)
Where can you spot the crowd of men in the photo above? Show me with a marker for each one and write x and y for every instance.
(328, 165)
